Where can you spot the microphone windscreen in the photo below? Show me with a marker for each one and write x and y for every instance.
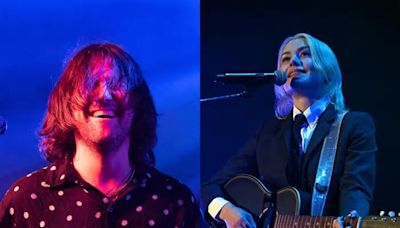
(280, 77)
(3, 125)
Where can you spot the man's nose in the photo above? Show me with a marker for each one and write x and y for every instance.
(104, 92)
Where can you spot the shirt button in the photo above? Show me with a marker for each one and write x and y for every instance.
(110, 209)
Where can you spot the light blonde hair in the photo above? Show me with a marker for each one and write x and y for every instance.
(327, 66)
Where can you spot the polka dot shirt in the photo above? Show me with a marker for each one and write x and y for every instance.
(56, 196)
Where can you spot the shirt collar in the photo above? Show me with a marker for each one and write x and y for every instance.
(62, 172)
(313, 112)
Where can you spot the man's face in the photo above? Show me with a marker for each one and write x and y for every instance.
(107, 117)
(302, 77)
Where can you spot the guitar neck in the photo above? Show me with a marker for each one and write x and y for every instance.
(289, 221)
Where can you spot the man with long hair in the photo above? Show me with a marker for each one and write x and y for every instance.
(281, 156)
(99, 133)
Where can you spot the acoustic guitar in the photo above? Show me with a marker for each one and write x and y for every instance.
(281, 209)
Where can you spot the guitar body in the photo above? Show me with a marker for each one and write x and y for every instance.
(251, 194)
(282, 209)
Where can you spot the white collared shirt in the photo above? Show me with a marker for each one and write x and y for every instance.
(312, 115)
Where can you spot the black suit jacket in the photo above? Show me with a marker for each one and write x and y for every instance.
(266, 156)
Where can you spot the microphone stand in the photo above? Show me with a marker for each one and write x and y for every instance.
(248, 91)
(242, 93)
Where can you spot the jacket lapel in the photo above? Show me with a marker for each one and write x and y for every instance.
(285, 134)
(283, 139)
(324, 123)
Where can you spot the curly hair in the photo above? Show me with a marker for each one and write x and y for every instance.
(57, 132)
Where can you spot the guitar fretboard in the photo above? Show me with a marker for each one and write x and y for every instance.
(290, 221)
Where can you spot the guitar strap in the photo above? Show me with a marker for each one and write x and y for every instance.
(325, 167)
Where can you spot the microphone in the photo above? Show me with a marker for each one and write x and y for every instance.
(3, 125)
(278, 78)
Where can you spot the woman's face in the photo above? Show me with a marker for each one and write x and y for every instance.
(302, 77)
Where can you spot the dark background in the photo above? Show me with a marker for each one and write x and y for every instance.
(244, 36)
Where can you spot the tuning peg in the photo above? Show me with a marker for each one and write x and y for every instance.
(391, 214)
(353, 214)
(381, 213)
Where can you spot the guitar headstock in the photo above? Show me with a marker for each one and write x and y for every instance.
(382, 221)
(390, 220)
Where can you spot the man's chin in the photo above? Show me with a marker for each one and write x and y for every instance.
(103, 140)
(105, 143)
(103, 137)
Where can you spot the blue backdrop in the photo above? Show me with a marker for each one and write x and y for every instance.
(37, 37)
